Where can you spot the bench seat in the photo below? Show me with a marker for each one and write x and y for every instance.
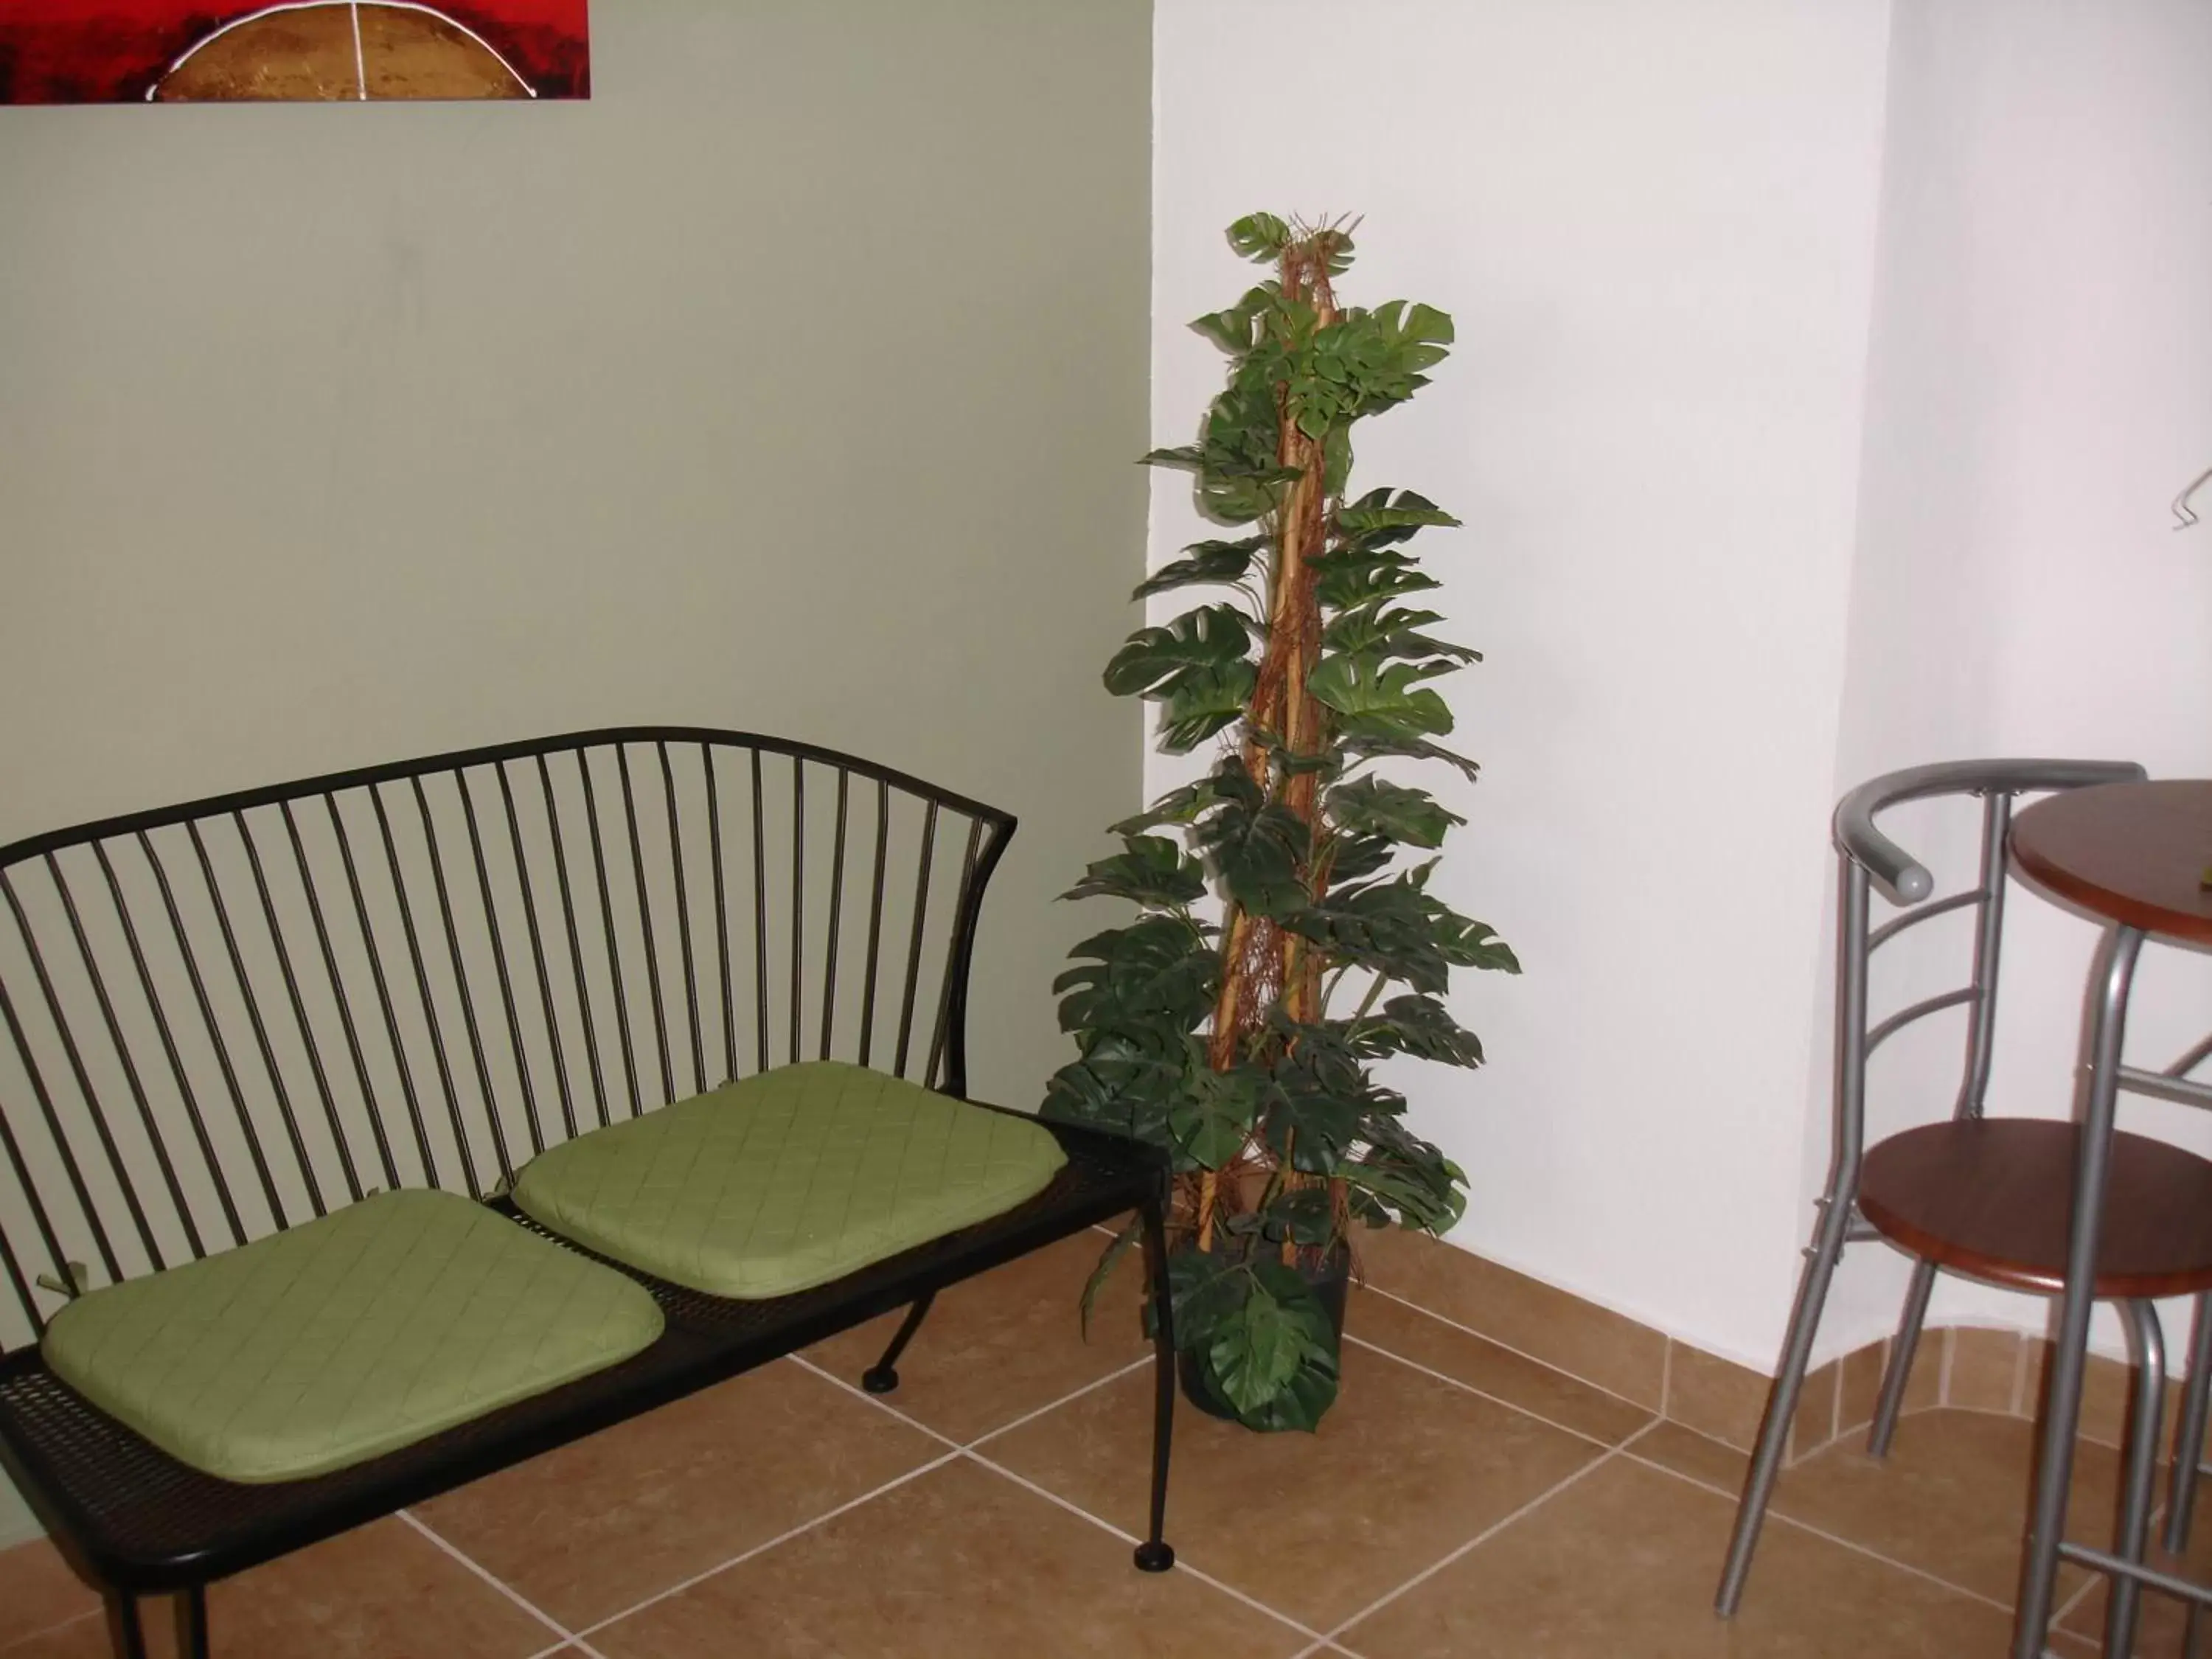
(336, 1341)
(781, 1181)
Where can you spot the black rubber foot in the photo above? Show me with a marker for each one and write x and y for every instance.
(1154, 1557)
(880, 1379)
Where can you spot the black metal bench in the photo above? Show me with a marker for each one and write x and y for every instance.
(225, 1018)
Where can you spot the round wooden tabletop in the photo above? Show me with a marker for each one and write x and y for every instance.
(2137, 853)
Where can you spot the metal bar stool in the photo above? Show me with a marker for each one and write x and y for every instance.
(1986, 1197)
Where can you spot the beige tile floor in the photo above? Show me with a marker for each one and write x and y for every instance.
(1462, 1499)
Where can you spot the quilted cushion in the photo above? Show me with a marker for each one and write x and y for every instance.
(346, 1337)
(788, 1180)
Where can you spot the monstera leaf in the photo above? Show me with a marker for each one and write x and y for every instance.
(1150, 870)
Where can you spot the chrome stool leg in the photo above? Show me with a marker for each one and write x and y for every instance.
(1901, 1355)
(2189, 1438)
(1782, 1398)
(2141, 1483)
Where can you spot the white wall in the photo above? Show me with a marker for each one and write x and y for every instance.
(1655, 228)
(2040, 384)
(1767, 491)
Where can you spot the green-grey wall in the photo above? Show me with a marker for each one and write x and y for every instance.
(791, 383)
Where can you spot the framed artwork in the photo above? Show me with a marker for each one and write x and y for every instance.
(104, 51)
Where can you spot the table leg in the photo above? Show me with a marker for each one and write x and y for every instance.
(2039, 1569)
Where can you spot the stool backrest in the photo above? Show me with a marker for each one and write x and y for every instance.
(229, 1017)
(1871, 860)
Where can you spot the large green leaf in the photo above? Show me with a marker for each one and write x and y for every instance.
(1215, 1115)
(1274, 1360)
(1395, 517)
(1370, 744)
(1358, 575)
(1396, 928)
(1151, 870)
(1160, 967)
(1379, 698)
(1381, 631)
(1185, 802)
(1210, 564)
(1259, 850)
(1213, 638)
(1375, 806)
(1259, 236)
(1420, 1026)
(1201, 701)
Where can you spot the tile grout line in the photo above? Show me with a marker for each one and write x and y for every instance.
(972, 1454)
(1826, 1537)
(953, 1450)
(1666, 1368)
(1328, 1641)
(1181, 1566)
(14, 1642)
(500, 1584)
(763, 1548)
(1480, 1394)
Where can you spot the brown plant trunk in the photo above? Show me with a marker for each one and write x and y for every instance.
(1261, 960)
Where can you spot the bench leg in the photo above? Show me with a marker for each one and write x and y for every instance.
(123, 1627)
(882, 1377)
(1154, 1555)
(193, 1623)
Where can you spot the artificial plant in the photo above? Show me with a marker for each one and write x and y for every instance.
(1242, 1033)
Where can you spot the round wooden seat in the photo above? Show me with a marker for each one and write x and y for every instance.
(1993, 1197)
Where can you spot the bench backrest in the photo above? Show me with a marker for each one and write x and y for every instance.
(229, 1017)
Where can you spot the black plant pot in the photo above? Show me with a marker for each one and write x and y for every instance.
(1331, 1282)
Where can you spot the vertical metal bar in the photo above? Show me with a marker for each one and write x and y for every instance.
(683, 922)
(575, 946)
(492, 1124)
(760, 917)
(178, 1075)
(123, 1624)
(21, 1286)
(798, 899)
(70, 1052)
(875, 917)
(339, 999)
(193, 1623)
(1901, 1352)
(299, 1006)
(429, 1165)
(1154, 1554)
(614, 948)
(1836, 1207)
(499, 963)
(131, 1081)
(1989, 934)
(536, 950)
(260, 1027)
(953, 967)
(836, 908)
(721, 915)
(913, 942)
(423, 991)
(206, 1006)
(57, 1255)
(2113, 978)
(2189, 1437)
(2132, 1535)
(645, 927)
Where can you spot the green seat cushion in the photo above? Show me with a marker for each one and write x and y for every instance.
(347, 1337)
(788, 1180)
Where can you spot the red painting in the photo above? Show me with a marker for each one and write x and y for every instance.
(103, 52)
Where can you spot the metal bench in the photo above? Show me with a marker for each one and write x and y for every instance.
(223, 1018)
